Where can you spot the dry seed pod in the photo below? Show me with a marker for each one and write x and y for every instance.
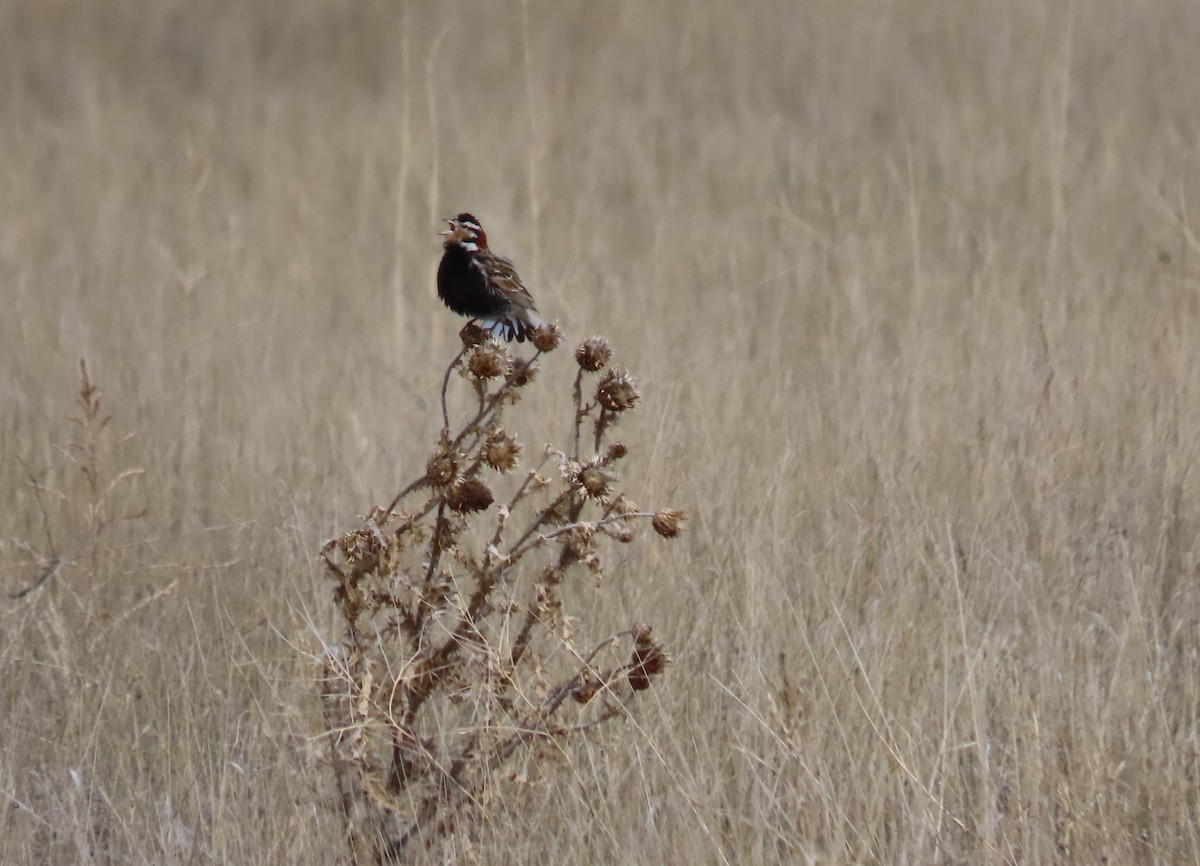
(596, 481)
(547, 337)
(442, 468)
(625, 505)
(525, 373)
(469, 496)
(617, 392)
(593, 354)
(502, 451)
(489, 361)
(666, 522)
(648, 661)
(472, 334)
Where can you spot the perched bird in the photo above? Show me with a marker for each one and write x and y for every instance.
(474, 281)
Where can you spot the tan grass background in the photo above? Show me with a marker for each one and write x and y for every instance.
(912, 291)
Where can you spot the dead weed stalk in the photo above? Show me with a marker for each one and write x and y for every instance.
(457, 653)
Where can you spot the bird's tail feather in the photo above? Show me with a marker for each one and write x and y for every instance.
(519, 326)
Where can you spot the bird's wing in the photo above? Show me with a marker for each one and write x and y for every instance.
(503, 280)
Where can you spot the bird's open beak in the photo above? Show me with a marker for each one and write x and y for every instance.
(450, 230)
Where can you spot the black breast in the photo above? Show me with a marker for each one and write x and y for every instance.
(462, 287)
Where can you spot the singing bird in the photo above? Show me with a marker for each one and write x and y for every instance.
(474, 281)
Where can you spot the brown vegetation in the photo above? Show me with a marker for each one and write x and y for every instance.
(911, 293)
(457, 651)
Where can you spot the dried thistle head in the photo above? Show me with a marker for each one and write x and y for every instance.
(547, 337)
(470, 495)
(666, 522)
(615, 452)
(625, 505)
(596, 481)
(473, 334)
(489, 360)
(617, 392)
(362, 549)
(442, 467)
(525, 373)
(649, 658)
(593, 354)
(501, 451)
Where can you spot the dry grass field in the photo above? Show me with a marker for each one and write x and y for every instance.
(913, 295)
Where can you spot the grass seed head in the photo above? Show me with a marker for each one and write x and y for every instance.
(593, 354)
(617, 392)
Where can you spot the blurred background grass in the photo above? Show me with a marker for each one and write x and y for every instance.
(911, 289)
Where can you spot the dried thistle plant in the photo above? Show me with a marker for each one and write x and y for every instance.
(457, 651)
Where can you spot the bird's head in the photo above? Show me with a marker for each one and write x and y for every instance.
(466, 232)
